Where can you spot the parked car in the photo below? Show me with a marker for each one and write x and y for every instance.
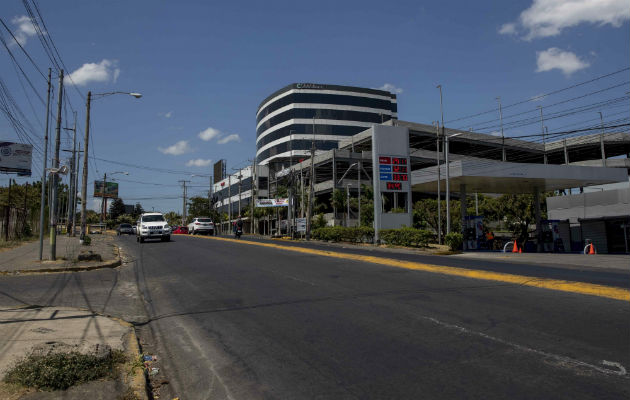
(152, 226)
(179, 230)
(201, 225)
(124, 229)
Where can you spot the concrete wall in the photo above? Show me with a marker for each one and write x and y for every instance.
(610, 203)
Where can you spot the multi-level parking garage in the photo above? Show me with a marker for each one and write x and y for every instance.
(464, 145)
(476, 163)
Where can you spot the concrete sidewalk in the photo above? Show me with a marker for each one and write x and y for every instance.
(25, 258)
(593, 261)
(52, 329)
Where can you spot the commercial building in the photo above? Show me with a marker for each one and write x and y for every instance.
(290, 120)
(339, 121)
(236, 193)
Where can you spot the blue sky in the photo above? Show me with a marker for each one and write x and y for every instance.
(205, 66)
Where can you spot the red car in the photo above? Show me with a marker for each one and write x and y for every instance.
(180, 230)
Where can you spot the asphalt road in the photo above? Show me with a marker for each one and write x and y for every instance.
(232, 320)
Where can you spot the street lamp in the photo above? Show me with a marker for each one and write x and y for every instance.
(103, 198)
(85, 158)
(448, 185)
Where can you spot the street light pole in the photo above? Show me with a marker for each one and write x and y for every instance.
(448, 189)
(542, 129)
(503, 155)
(86, 155)
(439, 194)
(601, 140)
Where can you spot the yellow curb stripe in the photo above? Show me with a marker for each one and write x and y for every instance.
(545, 283)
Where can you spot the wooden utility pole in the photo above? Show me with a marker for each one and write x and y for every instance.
(55, 175)
(7, 214)
(86, 142)
(43, 188)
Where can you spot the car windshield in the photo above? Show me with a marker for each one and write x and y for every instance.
(204, 220)
(152, 218)
(125, 225)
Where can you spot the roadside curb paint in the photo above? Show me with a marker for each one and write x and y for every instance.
(543, 283)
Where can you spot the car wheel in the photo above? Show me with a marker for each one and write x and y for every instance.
(166, 239)
(141, 239)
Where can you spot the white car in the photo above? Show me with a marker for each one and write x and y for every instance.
(201, 225)
(152, 226)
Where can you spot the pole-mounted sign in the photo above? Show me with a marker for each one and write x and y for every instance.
(392, 189)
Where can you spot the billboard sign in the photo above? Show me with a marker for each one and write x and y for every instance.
(220, 169)
(272, 203)
(111, 190)
(16, 157)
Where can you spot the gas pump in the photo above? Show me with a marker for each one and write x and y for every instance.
(473, 231)
(551, 237)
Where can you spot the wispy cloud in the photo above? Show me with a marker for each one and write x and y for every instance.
(209, 134)
(508, 29)
(179, 148)
(554, 58)
(168, 114)
(546, 18)
(229, 138)
(104, 71)
(199, 162)
(391, 88)
(23, 30)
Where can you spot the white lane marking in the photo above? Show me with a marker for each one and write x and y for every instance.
(620, 371)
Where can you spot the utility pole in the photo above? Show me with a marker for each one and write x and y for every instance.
(55, 175)
(503, 155)
(86, 142)
(103, 200)
(601, 140)
(359, 164)
(7, 214)
(309, 206)
(73, 173)
(253, 193)
(183, 182)
(76, 188)
(542, 129)
(43, 188)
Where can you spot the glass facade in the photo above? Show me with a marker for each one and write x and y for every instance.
(384, 109)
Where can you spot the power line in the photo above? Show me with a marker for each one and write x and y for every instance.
(542, 96)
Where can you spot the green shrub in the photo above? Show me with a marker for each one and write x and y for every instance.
(409, 237)
(319, 221)
(344, 234)
(454, 241)
(87, 240)
(59, 371)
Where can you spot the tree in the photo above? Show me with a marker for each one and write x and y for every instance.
(137, 211)
(117, 208)
(173, 218)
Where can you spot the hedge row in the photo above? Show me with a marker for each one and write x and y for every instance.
(408, 237)
(344, 234)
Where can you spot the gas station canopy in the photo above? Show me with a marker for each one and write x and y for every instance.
(488, 176)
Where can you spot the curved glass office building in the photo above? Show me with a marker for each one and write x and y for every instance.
(289, 120)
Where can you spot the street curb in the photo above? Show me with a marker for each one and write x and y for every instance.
(138, 382)
(110, 264)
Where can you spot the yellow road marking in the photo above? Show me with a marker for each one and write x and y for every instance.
(546, 283)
